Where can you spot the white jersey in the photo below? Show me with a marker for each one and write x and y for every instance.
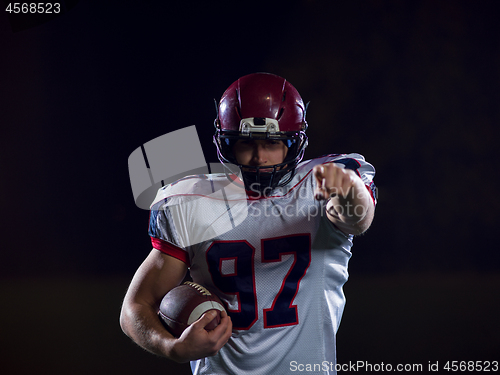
(276, 262)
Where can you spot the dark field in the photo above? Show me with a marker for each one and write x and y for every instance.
(64, 326)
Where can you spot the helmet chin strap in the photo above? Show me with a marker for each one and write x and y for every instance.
(259, 182)
(265, 182)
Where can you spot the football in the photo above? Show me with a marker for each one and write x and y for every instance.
(185, 304)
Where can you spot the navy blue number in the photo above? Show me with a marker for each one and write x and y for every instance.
(282, 312)
(242, 281)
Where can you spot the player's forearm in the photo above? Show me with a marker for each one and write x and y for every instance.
(142, 325)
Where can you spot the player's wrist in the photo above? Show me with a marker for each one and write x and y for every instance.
(176, 352)
(174, 348)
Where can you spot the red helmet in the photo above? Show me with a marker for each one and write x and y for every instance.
(262, 106)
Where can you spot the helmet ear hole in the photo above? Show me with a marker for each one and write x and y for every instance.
(238, 111)
(280, 113)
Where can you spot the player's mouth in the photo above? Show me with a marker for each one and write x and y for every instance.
(260, 169)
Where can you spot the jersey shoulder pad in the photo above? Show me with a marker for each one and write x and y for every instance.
(215, 186)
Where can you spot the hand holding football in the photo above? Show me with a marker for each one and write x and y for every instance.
(185, 304)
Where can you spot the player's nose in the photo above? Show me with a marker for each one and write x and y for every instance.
(259, 155)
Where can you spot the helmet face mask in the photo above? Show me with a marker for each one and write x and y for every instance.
(262, 106)
(263, 178)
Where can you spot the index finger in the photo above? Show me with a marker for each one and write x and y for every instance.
(319, 175)
(319, 172)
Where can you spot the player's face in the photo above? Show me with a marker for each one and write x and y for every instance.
(259, 152)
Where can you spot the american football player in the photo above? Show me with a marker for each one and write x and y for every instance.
(277, 255)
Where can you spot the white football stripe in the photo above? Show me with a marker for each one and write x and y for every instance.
(202, 308)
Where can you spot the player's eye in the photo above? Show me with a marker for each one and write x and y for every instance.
(245, 143)
(273, 142)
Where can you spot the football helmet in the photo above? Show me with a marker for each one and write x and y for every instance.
(262, 106)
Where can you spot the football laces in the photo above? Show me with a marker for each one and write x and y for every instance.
(199, 288)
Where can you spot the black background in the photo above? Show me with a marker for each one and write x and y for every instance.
(412, 86)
